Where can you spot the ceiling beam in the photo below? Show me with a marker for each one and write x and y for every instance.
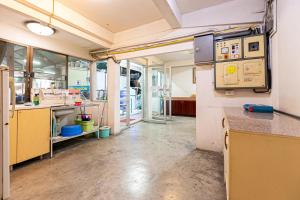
(169, 11)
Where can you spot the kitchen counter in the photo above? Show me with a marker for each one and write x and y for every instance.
(23, 107)
(262, 123)
(53, 106)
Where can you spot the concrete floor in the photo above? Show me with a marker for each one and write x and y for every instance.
(148, 161)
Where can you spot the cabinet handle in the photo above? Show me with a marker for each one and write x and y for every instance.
(223, 122)
(225, 139)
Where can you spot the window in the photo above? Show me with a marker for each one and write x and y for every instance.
(46, 69)
(101, 77)
(14, 56)
(50, 69)
(79, 75)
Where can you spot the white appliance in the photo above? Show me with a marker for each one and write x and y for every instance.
(4, 131)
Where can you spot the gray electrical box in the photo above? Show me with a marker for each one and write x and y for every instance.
(204, 49)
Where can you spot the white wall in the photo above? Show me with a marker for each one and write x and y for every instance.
(182, 82)
(286, 43)
(209, 108)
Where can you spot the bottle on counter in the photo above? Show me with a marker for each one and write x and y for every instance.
(36, 100)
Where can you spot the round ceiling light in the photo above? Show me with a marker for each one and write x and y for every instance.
(40, 29)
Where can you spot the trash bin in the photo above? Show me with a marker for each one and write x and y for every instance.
(104, 131)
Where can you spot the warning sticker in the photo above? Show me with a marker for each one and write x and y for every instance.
(231, 69)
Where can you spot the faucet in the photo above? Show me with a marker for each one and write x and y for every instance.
(65, 98)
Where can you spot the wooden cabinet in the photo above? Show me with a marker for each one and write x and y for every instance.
(183, 107)
(13, 132)
(261, 166)
(29, 134)
(33, 133)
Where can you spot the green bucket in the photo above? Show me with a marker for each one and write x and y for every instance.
(86, 125)
(104, 131)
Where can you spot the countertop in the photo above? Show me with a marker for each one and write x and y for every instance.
(23, 107)
(183, 98)
(262, 123)
(53, 106)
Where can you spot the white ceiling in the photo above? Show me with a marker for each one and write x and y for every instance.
(176, 56)
(116, 15)
(186, 6)
(17, 20)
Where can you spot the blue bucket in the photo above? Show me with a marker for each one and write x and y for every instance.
(104, 132)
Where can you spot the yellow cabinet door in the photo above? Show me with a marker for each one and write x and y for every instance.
(13, 132)
(33, 133)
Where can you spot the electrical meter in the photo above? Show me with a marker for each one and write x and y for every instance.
(240, 74)
(228, 49)
(254, 46)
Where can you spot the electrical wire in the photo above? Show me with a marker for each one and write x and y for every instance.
(288, 114)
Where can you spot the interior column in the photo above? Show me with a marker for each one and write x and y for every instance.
(113, 80)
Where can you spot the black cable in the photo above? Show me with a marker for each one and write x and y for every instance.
(288, 114)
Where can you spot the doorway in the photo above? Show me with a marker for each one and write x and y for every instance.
(131, 93)
(157, 93)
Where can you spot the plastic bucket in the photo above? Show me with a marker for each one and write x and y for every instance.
(86, 125)
(104, 132)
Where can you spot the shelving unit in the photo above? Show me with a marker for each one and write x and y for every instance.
(74, 111)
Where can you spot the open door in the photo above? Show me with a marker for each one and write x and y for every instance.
(157, 93)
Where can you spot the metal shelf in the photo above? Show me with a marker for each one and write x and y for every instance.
(60, 138)
(57, 139)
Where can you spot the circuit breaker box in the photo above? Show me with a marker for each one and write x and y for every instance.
(241, 74)
(228, 49)
(204, 49)
(240, 63)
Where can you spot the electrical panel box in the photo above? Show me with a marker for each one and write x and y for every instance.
(240, 74)
(254, 46)
(228, 49)
(204, 49)
(240, 63)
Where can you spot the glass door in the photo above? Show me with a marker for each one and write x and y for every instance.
(157, 94)
(124, 94)
(136, 92)
(131, 93)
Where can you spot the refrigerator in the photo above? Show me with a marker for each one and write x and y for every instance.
(4, 132)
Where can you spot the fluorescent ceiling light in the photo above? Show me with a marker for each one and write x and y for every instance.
(36, 62)
(49, 72)
(40, 29)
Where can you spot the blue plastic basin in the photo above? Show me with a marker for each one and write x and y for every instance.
(71, 130)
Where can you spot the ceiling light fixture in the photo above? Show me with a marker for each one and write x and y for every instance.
(41, 29)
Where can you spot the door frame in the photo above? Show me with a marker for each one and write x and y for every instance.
(167, 89)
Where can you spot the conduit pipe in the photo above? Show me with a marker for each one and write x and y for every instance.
(103, 54)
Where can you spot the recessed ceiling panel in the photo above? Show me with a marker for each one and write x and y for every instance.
(116, 15)
(186, 6)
